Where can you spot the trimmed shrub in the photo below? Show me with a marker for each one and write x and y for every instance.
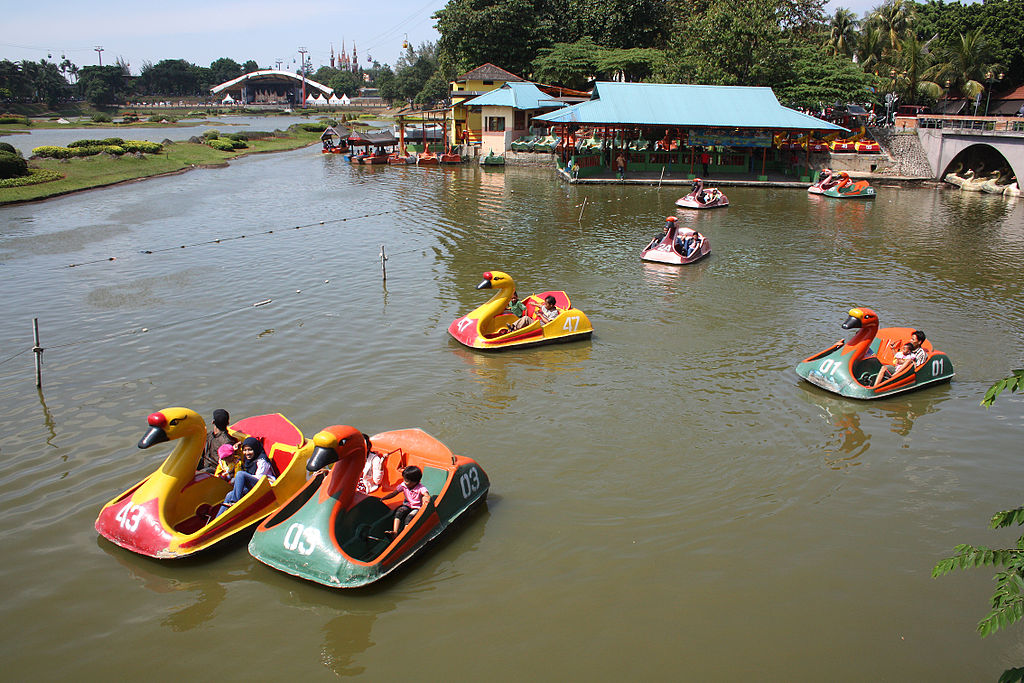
(52, 152)
(237, 136)
(238, 144)
(313, 127)
(34, 177)
(102, 118)
(12, 165)
(8, 147)
(14, 118)
(96, 143)
(144, 146)
(222, 145)
(258, 135)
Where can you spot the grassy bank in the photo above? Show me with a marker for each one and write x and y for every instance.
(84, 173)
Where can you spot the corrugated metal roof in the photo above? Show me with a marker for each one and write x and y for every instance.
(673, 104)
(488, 72)
(515, 95)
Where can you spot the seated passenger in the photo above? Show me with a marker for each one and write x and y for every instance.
(518, 309)
(691, 245)
(416, 496)
(548, 311)
(910, 353)
(216, 437)
(659, 237)
(254, 467)
(230, 462)
(373, 472)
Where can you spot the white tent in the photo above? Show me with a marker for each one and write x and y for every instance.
(345, 101)
(321, 101)
(227, 99)
(310, 99)
(335, 100)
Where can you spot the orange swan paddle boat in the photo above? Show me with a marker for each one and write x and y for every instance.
(169, 514)
(334, 531)
(850, 368)
(488, 326)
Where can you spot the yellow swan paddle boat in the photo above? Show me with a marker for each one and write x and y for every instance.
(488, 326)
(170, 513)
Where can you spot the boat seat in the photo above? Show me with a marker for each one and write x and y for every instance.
(369, 517)
(281, 457)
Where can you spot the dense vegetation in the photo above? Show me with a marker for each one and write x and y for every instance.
(920, 51)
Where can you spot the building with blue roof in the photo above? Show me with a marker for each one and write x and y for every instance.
(506, 113)
(670, 125)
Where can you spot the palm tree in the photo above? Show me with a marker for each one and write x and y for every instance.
(870, 48)
(843, 32)
(912, 64)
(893, 17)
(964, 62)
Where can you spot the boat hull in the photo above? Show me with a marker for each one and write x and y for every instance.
(479, 331)
(836, 370)
(166, 516)
(315, 538)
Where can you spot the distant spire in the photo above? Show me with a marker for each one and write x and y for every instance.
(355, 57)
(332, 55)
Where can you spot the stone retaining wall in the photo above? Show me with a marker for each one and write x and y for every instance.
(906, 156)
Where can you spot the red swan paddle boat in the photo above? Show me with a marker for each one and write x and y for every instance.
(677, 246)
(699, 198)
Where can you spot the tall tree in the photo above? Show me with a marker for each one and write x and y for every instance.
(102, 85)
(224, 69)
(894, 17)
(842, 35)
(964, 61)
(507, 33)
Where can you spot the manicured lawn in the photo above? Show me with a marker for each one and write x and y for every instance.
(83, 173)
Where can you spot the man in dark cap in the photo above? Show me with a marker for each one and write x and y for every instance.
(215, 438)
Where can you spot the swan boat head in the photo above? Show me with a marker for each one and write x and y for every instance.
(346, 449)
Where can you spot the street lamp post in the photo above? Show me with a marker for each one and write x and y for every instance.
(989, 78)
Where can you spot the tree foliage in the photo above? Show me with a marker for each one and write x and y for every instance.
(103, 85)
(507, 33)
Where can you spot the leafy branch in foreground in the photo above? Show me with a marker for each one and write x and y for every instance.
(1008, 597)
(1013, 383)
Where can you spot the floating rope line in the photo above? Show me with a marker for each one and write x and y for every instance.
(228, 239)
(25, 350)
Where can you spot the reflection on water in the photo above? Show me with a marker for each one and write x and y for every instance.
(678, 434)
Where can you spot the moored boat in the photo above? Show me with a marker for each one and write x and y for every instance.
(847, 188)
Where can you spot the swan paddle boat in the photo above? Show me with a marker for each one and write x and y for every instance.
(674, 245)
(332, 533)
(826, 180)
(699, 198)
(169, 514)
(849, 368)
(487, 327)
(846, 188)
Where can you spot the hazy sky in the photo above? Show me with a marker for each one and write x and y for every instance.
(202, 31)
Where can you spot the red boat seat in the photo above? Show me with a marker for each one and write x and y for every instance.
(281, 458)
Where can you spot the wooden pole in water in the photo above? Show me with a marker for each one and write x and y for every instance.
(38, 350)
(662, 176)
(383, 263)
(582, 209)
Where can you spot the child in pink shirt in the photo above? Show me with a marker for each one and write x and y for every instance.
(416, 496)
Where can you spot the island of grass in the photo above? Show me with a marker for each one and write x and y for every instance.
(104, 168)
